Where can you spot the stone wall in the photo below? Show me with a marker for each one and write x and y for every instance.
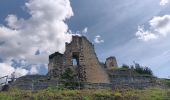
(38, 82)
(130, 79)
(55, 66)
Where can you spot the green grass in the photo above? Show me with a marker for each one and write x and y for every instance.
(166, 81)
(148, 94)
(86, 94)
(55, 94)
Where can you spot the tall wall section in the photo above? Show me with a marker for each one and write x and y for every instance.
(88, 67)
(94, 72)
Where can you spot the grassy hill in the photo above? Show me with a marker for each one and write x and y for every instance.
(166, 81)
(53, 93)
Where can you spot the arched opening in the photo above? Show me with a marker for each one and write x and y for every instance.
(76, 66)
(75, 59)
(74, 62)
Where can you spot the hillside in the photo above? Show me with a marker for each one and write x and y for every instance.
(53, 93)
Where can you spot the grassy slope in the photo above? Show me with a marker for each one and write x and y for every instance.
(166, 81)
(101, 94)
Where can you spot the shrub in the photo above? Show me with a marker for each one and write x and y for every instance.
(142, 70)
(69, 79)
(125, 66)
(117, 94)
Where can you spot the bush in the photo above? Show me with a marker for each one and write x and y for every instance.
(117, 94)
(5, 88)
(124, 66)
(69, 79)
(166, 81)
(143, 70)
(137, 68)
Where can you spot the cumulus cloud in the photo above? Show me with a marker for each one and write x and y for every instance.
(145, 35)
(20, 72)
(159, 26)
(164, 2)
(45, 31)
(98, 39)
(85, 30)
(6, 69)
(33, 70)
(80, 32)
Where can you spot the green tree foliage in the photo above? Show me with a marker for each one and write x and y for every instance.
(124, 66)
(69, 79)
(138, 68)
(142, 70)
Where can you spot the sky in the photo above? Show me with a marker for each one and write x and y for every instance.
(131, 30)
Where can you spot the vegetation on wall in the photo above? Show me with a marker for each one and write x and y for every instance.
(142, 70)
(166, 81)
(69, 78)
(138, 68)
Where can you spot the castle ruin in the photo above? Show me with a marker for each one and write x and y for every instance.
(81, 57)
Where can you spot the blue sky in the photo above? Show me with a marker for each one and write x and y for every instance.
(117, 23)
(135, 30)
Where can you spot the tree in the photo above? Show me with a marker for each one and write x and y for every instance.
(125, 66)
(69, 79)
(143, 70)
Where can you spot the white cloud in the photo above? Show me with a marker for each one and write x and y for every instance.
(85, 30)
(159, 26)
(98, 39)
(6, 69)
(45, 30)
(80, 32)
(21, 72)
(12, 21)
(145, 35)
(33, 70)
(164, 2)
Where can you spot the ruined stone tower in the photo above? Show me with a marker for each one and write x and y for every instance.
(111, 62)
(56, 64)
(81, 57)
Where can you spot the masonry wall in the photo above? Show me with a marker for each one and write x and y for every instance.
(38, 82)
(111, 63)
(94, 72)
(55, 66)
